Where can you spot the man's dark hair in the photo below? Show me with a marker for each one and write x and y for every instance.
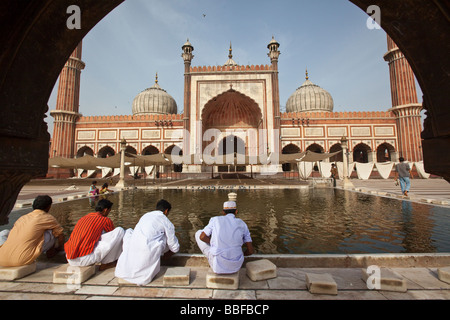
(401, 159)
(103, 204)
(42, 202)
(227, 211)
(162, 205)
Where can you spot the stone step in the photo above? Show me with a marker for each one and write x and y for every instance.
(222, 281)
(68, 274)
(261, 270)
(384, 279)
(444, 274)
(177, 276)
(321, 283)
(13, 273)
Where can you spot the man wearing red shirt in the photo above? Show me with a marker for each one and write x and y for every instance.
(94, 239)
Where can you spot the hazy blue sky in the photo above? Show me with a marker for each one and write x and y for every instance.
(141, 37)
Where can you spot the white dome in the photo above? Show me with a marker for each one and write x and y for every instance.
(310, 97)
(154, 100)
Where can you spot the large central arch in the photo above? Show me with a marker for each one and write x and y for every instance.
(229, 112)
(36, 43)
(231, 109)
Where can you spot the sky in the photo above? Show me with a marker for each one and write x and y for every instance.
(140, 38)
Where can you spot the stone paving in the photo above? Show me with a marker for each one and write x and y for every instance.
(420, 271)
(433, 191)
(290, 284)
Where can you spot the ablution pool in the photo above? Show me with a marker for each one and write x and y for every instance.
(289, 221)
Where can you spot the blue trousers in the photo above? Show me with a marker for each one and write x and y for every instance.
(404, 183)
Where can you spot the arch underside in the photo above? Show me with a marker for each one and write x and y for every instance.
(231, 109)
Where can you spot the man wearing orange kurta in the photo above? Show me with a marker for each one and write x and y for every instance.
(31, 235)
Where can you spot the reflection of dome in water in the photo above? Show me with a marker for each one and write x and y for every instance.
(310, 97)
(154, 100)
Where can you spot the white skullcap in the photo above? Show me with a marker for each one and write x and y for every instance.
(229, 205)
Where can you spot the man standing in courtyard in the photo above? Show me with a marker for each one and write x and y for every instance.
(403, 173)
(34, 233)
(334, 174)
(222, 239)
(153, 238)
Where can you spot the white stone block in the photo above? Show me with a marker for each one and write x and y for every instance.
(13, 273)
(222, 281)
(321, 283)
(68, 274)
(178, 276)
(444, 274)
(261, 270)
(385, 280)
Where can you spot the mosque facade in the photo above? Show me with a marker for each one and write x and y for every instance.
(236, 107)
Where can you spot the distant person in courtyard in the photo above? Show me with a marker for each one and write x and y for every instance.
(104, 189)
(93, 190)
(402, 174)
(33, 234)
(334, 173)
(222, 239)
(95, 240)
(152, 239)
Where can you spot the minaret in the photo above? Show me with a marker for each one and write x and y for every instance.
(273, 54)
(187, 57)
(67, 106)
(405, 105)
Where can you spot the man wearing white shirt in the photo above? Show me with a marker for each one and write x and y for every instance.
(222, 239)
(143, 247)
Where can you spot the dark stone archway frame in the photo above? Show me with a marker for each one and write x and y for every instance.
(36, 43)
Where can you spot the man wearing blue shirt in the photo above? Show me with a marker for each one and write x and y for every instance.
(222, 239)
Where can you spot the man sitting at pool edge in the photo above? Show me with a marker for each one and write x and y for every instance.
(95, 240)
(152, 239)
(222, 239)
(33, 234)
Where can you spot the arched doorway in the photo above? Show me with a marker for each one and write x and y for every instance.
(231, 111)
(315, 148)
(106, 152)
(231, 145)
(361, 153)
(235, 146)
(290, 149)
(385, 152)
(85, 151)
(130, 150)
(150, 150)
(175, 150)
(338, 157)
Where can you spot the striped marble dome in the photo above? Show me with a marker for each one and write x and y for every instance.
(310, 97)
(154, 100)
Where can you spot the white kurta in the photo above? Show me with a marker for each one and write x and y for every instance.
(224, 252)
(143, 247)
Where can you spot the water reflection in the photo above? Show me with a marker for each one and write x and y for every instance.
(288, 221)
